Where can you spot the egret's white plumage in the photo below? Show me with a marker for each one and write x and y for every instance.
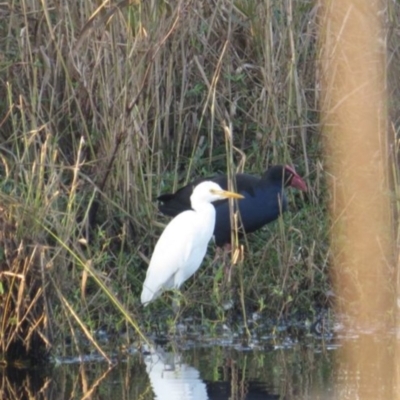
(183, 244)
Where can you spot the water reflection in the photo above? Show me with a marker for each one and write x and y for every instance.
(172, 379)
(298, 371)
(193, 372)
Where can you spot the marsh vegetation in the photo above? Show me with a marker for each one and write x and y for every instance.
(105, 107)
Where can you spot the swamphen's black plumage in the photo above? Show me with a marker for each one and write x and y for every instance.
(264, 200)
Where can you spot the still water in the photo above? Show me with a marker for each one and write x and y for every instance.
(215, 368)
(199, 373)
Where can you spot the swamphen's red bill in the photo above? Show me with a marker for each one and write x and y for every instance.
(296, 181)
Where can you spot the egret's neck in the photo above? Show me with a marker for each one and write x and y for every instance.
(205, 214)
(203, 207)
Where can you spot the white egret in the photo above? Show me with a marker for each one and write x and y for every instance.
(183, 244)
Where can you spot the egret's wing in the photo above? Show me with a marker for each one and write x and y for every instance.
(170, 254)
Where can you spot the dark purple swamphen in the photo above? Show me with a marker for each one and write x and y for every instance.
(264, 200)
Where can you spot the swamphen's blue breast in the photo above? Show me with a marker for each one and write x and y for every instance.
(264, 200)
(261, 205)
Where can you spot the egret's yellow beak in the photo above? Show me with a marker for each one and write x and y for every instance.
(226, 194)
